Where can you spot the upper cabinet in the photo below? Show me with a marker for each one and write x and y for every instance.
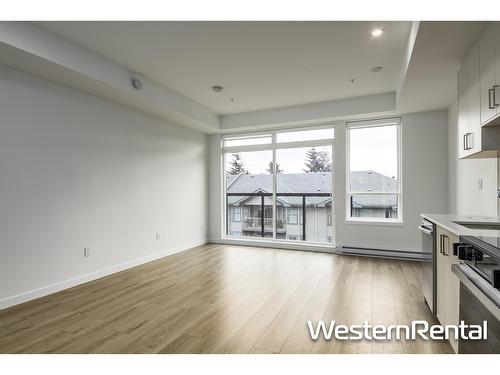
(469, 124)
(479, 96)
(488, 66)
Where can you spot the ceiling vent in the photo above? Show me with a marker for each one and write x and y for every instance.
(136, 83)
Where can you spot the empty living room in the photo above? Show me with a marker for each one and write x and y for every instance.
(287, 187)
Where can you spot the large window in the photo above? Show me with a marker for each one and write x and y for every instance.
(374, 171)
(278, 185)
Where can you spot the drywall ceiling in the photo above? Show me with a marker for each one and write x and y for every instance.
(261, 65)
(431, 79)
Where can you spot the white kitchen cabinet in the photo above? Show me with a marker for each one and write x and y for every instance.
(478, 83)
(496, 86)
(474, 100)
(469, 105)
(488, 57)
(463, 120)
(447, 284)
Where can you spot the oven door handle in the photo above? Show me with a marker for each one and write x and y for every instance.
(480, 288)
(425, 229)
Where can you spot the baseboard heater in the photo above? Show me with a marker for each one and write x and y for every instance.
(382, 253)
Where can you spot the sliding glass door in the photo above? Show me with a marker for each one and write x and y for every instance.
(279, 186)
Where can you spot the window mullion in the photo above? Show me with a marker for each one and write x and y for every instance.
(275, 179)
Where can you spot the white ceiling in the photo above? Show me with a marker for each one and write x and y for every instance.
(260, 64)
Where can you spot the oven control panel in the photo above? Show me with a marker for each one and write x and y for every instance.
(469, 253)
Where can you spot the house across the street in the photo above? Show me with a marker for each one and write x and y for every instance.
(247, 213)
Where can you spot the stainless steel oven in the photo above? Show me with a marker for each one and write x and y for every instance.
(479, 274)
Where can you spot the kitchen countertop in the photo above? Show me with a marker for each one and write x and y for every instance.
(446, 221)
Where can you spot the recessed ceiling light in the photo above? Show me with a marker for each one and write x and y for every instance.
(216, 88)
(377, 69)
(377, 32)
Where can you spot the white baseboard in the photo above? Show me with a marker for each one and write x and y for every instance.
(57, 287)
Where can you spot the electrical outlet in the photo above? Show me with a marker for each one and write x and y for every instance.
(86, 251)
(480, 184)
(157, 236)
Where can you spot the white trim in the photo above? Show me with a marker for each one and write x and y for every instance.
(275, 189)
(333, 196)
(374, 221)
(299, 144)
(238, 137)
(246, 133)
(224, 226)
(374, 192)
(389, 121)
(393, 121)
(278, 146)
(250, 148)
(74, 281)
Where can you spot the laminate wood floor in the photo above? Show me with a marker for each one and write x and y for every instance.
(224, 299)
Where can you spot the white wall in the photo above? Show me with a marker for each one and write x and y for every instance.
(312, 113)
(78, 171)
(465, 198)
(425, 185)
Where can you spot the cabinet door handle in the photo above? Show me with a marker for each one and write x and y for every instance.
(467, 141)
(490, 95)
(444, 242)
(495, 104)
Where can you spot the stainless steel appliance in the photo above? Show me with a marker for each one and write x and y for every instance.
(428, 230)
(479, 274)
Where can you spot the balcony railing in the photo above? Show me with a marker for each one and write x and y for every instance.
(265, 224)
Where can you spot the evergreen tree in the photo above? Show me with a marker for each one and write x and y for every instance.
(317, 161)
(237, 166)
(270, 168)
